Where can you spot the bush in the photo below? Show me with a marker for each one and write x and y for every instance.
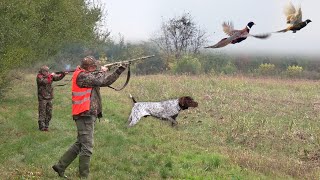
(213, 63)
(294, 71)
(230, 68)
(266, 69)
(187, 65)
(313, 75)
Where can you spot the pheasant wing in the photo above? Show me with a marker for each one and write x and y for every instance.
(289, 9)
(228, 28)
(298, 16)
(294, 15)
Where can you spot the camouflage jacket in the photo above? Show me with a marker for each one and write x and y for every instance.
(95, 81)
(44, 83)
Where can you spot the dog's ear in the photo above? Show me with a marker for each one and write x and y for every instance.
(183, 103)
(180, 101)
(186, 101)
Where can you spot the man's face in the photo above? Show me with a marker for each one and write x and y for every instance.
(92, 68)
(45, 73)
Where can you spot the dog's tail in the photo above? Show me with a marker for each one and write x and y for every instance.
(134, 101)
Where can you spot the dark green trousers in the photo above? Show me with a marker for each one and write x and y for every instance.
(82, 147)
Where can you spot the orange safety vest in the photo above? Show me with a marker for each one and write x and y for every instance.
(80, 96)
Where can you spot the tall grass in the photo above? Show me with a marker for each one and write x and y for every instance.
(244, 128)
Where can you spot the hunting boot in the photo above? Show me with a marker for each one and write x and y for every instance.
(64, 162)
(59, 171)
(84, 163)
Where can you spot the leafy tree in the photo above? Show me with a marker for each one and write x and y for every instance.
(36, 30)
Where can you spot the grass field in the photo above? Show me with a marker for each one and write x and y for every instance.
(244, 128)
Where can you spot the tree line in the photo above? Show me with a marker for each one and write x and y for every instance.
(60, 32)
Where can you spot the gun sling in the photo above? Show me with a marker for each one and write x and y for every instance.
(126, 83)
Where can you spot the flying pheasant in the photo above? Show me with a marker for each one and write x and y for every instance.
(236, 36)
(294, 19)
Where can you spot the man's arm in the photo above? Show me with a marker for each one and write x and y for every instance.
(58, 77)
(101, 79)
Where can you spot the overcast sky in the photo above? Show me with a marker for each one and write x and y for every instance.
(138, 20)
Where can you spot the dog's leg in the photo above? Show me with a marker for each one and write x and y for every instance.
(130, 119)
(134, 120)
(173, 121)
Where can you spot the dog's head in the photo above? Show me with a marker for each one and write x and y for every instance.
(186, 101)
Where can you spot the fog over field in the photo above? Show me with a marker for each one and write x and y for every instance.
(139, 20)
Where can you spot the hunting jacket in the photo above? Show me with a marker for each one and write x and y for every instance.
(96, 80)
(44, 83)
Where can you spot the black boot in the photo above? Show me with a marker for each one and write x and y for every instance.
(59, 171)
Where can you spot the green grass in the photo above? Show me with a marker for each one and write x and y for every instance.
(244, 128)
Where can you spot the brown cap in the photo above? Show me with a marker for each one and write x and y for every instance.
(89, 61)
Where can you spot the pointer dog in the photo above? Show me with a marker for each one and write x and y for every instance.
(164, 110)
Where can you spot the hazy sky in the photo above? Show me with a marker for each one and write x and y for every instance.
(139, 19)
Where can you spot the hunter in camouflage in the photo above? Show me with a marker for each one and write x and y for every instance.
(86, 82)
(45, 95)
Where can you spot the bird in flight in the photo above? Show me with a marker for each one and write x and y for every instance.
(294, 19)
(236, 36)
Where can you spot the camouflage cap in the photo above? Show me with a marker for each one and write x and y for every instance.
(44, 68)
(89, 61)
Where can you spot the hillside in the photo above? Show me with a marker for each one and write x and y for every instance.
(244, 128)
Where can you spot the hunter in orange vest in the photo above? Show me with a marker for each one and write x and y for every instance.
(86, 107)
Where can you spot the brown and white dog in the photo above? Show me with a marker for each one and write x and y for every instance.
(165, 110)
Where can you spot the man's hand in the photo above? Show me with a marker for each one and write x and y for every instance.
(104, 69)
(123, 65)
